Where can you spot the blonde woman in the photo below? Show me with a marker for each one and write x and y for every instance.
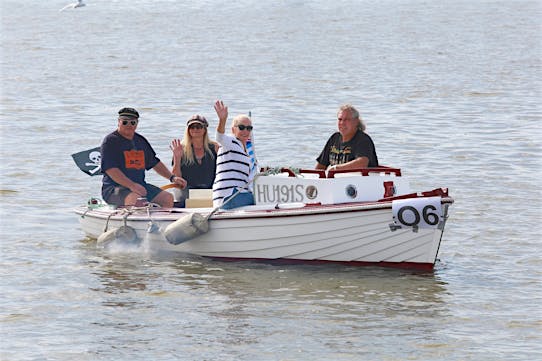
(194, 157)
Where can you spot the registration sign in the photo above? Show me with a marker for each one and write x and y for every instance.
(423, 212)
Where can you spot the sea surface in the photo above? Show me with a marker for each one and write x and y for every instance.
(450, 92)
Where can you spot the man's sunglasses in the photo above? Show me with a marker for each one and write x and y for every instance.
(243, 127)
(132, 122)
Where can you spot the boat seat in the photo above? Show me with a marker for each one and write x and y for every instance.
(199, 198)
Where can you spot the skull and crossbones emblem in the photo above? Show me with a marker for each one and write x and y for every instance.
(95, 158)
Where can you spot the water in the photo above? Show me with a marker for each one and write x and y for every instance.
(450, 93)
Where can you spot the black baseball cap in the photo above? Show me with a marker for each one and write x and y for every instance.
(129, 112)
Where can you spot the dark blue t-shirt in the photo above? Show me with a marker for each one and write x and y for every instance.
(131, 156)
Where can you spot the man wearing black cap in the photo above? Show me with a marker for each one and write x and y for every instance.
(125, 157)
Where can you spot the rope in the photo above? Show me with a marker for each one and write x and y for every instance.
(107, 222)
(125, 211)
(152, 225)
(278, 170)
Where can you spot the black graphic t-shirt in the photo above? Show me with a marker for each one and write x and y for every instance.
(338, 152)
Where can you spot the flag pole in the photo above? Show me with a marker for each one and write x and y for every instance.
(253, 143)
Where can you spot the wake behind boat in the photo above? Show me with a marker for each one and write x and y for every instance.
(363, 217)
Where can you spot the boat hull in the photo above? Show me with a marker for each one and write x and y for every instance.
(356, 234)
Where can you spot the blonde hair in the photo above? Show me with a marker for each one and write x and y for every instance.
(188, 156)
(237, 120)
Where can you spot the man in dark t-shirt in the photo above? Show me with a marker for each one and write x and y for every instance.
(126, 155)
(350, 147)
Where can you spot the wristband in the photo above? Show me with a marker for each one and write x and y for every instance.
(171, 178)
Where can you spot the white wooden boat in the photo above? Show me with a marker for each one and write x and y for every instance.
(363, 217)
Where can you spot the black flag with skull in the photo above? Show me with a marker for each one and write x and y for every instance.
(89, 161)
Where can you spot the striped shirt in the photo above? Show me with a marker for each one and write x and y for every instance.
(232, 167)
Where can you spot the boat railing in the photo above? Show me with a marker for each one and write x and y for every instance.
(321, 173)
(367, 171)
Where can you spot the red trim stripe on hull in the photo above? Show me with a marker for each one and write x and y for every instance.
(288, 261)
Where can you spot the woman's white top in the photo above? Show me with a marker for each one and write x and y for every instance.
(233, 168)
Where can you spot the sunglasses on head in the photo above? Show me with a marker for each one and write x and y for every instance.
(132, 122)
(243, 127)
(195, 126)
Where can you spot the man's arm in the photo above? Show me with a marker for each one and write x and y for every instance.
(119, 177)
(361, 162)
(162, 170)
(320, 166)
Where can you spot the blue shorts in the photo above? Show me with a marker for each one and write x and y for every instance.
(116, 195)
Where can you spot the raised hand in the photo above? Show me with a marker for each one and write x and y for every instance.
(221, 111)
(177, 148)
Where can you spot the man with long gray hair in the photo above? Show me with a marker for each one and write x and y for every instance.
(350, 147)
